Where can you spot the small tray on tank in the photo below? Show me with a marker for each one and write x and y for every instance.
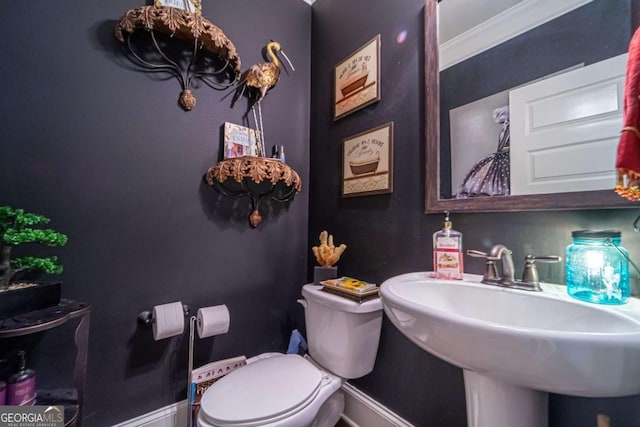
(351, 288)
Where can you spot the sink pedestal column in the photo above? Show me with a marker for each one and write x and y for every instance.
(493, 403)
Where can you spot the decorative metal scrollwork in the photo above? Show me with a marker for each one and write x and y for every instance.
(213, 58)
(257, 178)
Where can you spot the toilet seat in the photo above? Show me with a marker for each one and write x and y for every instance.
(262, 392)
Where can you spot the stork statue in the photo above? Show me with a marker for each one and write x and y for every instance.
(259, 79)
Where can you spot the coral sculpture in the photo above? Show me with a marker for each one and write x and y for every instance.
(327, 253)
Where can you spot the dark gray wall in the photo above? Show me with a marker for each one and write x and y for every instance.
(389, 234)
(110, 157)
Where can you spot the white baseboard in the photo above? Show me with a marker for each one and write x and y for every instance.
(174, 415)
(360, 410)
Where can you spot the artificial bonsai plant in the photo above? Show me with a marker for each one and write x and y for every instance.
(17, 228)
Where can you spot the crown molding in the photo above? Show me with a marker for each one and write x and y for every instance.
(511, 23)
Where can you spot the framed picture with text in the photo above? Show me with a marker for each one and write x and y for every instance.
(367, 165)
(239, 141)
(357, 80)
(193, 6)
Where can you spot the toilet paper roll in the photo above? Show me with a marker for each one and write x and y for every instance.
(213, 321)
(168, 320)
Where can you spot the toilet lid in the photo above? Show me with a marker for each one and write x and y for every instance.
(261, 390)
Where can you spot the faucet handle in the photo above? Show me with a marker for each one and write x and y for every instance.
(544, 258)
(490, 271)
(477, 254)
(530, 272)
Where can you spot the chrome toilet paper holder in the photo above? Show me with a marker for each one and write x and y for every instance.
(146, 317)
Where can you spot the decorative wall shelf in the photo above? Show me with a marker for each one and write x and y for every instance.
(257, 178)
(191, 27)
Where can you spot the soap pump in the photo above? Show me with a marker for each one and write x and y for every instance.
(447, 252)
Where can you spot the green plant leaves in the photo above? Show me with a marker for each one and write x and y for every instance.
(46, 237)
(16, 229)
(48, 265)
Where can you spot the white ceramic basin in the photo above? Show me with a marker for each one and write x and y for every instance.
(544, 341)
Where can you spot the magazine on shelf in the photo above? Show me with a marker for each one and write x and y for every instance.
(204, 376)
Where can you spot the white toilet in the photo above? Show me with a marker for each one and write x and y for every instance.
(288, 390)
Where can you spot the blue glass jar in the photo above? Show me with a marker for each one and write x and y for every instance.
(598, 267)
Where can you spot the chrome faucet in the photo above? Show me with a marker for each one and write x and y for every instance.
(529, 282)
(502, 253)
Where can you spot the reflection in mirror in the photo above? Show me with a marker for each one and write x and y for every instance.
(526, 99)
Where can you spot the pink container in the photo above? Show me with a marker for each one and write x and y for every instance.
(21, 387)
(22, 392)
(3, 393)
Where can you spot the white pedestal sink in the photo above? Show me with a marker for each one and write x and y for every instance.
(515, 346)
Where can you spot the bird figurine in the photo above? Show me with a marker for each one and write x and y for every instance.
(259, 79)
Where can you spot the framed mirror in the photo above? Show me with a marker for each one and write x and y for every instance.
(508, 58)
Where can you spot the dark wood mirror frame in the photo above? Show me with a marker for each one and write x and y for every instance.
(433, 202)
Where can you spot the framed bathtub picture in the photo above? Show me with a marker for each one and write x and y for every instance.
(357, 80)
(367, 162)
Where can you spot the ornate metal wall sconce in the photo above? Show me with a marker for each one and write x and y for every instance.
(213, 59)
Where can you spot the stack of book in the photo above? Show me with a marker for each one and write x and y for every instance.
(351, 288)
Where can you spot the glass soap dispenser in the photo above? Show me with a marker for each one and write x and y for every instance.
(598, 267)
(447, 252)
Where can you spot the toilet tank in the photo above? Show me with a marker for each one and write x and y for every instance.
(342, 335)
